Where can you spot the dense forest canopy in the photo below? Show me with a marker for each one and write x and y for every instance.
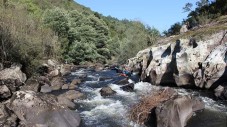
(34, 30)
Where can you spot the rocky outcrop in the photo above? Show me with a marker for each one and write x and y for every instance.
(36, 109)
(183, 29)
(184, 63)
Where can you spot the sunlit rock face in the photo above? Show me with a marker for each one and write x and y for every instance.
(184, 63)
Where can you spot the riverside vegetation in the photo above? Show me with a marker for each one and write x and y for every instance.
(34, 30)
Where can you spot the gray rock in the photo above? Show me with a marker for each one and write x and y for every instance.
(57, 83)
(122, 82)
(4, 92)
(72, 87)
(32, 84)
(66, 102)
(73, 95)
(7, 118)
(65, 69)
(107, 91)
(12, 84)
(65, 87)
(13, 72)
(48, 112)
(75, 82)
(218, 91)
(128, 88)
(176, 112)
(54, 73)
(1, 66)
(45, 89)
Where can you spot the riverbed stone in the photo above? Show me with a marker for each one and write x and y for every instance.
(75, 82)
(73, 95)
(123, 81)
(107, 91)
(128, 88)
(65, 87)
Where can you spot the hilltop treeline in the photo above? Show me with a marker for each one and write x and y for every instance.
(205, 12)
(35, 30)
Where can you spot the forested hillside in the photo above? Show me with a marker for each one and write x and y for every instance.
(34, 30)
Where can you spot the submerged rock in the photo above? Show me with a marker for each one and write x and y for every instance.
(107, 91)
(122, 82)
(128, 88)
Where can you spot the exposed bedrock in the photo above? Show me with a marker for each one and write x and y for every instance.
(184, 63)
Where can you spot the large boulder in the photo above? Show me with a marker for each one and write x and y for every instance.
(14, 72)
(107, 91)
(176, 112)
(36, 109)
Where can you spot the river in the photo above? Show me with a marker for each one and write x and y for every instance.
(97, 111)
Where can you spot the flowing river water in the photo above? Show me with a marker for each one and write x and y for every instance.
(97, 111)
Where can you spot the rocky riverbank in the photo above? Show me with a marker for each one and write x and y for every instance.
(29, 102)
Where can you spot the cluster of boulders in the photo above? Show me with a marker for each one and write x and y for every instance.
(31, 102)
(184, 63)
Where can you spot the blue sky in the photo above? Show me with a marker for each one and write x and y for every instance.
(158, 13)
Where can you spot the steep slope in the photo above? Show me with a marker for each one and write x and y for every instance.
(35, 30)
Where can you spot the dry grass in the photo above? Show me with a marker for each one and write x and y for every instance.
(139, 113)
